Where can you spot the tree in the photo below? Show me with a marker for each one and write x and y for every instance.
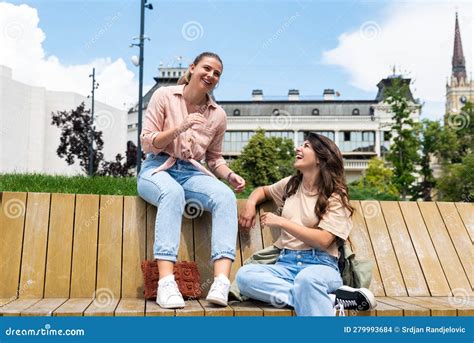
(462, 124)
(403, 152)
(264, 160)
(457, 183)
(377, 180)
(75, 128)
(117, 168)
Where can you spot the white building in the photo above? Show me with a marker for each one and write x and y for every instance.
(28, 140)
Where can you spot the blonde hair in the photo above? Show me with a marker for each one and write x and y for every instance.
(187, 75)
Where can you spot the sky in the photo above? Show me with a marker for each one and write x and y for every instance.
(270, 45)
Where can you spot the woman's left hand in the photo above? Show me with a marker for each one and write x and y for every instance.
(270, 219)
(237, 182)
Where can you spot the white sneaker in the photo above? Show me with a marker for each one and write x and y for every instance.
(219, 291)
(168, 294)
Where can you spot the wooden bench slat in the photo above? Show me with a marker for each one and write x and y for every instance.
(405, 252)
(15, 307)
(211, 310)
(408, 309)
(237, 262)
(12, 220)
(134, 242)
(4, 301)
(60, 239)
(445, 250)
(360, 242)
(73, 307)
(251, 240)
(383, 309)
(150, 230)
(269, 235)
(192, 308)
(459, 237)
(186, 245)
(425, 250)
(246, 308)
(134, 307)
(435, 308)
(102, 306)
(109, 258)
(202, 250)
(84, 252)
(271, 311)
(466, 211)
(386, 260)
(465, 308)
(33, 261)
(152, 309)
(44, 307)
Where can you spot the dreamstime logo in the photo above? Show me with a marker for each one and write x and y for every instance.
(280, 30)
(370, 209)
(104, 120)
(458, 121)
(13, 31)
(369, 30)
(279, 299)
(460, 297)
(104, 28)
(192, 30)
(14, 208)
(104, 297)
(281, 120)
(193, 209)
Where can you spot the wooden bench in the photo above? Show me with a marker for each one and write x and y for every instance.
(66, 254)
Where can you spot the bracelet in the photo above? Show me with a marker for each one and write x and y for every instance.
(228, 176)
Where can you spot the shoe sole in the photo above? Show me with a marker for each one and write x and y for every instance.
(216, 301)
(369, 297)
(170, 306)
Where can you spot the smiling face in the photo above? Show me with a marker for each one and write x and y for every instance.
(205, 74)
(305, 157)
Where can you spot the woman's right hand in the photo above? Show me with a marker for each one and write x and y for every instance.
(192, 119)
(247, 216)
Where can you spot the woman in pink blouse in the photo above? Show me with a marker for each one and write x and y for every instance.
(183, 126)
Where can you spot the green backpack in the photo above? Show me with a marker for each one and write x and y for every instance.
(355, 272)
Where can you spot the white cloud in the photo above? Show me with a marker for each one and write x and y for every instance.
(21, 40)
(417, 37)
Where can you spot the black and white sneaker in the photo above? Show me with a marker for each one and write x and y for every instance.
(360, 299)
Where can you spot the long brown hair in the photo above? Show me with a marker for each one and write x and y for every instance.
(331, 175)
(187, 75)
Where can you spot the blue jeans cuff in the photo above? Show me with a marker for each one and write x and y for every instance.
(171, 258)
(227, 254)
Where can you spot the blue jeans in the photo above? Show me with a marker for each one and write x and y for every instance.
(302, 279)
(183, 184)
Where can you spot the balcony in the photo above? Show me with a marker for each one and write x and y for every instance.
(356, 164)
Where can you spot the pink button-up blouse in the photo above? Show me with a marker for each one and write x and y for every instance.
(166, 110)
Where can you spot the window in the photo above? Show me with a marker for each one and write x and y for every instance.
(355, 112)
(174, 73)
(386, 136)
(236, 112)
(276, 112)
(368, 136)
(347, 136)
(315, 112)
(169, 73)
(357, 141)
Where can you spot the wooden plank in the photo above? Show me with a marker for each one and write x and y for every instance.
(44, 307)
(247, 309)
(447, 255)
(109, 258)
(102, 306)
(362, 246)
(153, 309)
(459, 237)
(134, 241)
(386, 260)
(436, 309)
(33, 261)
(202, 250)
(408, 309)
(186, 244)
(269, 235)
(12, 220)
(250, 239)
(58, 264)
(4, 301)
(271, 311)
(424, 248)
(384, 309)
(466, 211)
(131, 307)
(192, 308)
(237, 262)
(464, 308)
(73, 307)
(14, 308)
(211, 310)
(150, 230)
(84, 252)
(404, 250)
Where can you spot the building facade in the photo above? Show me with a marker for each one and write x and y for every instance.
(28, 141)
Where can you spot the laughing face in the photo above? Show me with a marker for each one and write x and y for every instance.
(206, 73)
(305, 157)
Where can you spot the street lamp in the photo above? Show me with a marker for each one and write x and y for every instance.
(141, 45)
(95, 85)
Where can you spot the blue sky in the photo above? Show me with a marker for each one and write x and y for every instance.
(269, 45)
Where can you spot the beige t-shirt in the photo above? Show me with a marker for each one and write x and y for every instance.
(299, 208)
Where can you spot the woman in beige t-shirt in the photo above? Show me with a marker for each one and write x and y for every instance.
(315, 218)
